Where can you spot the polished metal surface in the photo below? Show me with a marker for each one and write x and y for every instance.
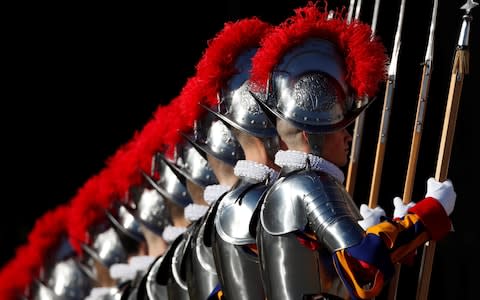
(313, 199)
(171, 184)
(152, 211)
(238, 271)
(238, 108)
(177, 286)
(305, 201)
(235, 212)
(68, 281)
(125, 222)
(41, 292)
(153, 289)
(163, 275)
(293, 271)
(214, 138)
(308, 88)
(194, 166)
(200, 268)
(106, 248)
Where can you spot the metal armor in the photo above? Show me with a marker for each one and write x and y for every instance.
(308, 88)
(201, 273)
(68, 281)
(191, 164)
(125, 225)
(169, 273)
(238, 265)
(214, 138)
(171, 183)
(107, 248)
(294, 264)
(152, 289)
(42, 292)
(151, 210)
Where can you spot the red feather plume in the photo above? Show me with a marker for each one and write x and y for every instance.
(18, 274)
(217, 64)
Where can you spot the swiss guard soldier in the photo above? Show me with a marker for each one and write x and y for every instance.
(311, 68)
(150, 217)
(165, 272)
(234, 246)
(200, 273)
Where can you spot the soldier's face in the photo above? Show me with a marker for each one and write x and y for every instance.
(336, 147)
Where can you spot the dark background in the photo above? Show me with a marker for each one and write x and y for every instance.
(80, 79)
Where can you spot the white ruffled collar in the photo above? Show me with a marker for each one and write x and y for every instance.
(193, 211)
(128, 271)
(253, 170)
(170, 233)
(298, 160)
(214, 191)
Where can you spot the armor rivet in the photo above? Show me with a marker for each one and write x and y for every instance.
(184, 193)
(252, 122)
(264, 123)
(305, 118)
(208, 176)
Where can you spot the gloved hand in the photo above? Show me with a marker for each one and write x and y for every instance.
(371, 216)
(401, 208)
(443, 192)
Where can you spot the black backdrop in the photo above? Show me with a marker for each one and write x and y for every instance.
(82, 78)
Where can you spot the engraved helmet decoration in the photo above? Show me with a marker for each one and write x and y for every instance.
(315, 71)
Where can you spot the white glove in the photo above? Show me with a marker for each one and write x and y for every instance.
(443, 192)
(371, 216)
(401, 208)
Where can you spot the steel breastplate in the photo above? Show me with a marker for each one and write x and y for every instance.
(233, 217)
(201, 272)
(313, 199)
(293, 271)
(169, 270)
(149, 287)
(238, 271)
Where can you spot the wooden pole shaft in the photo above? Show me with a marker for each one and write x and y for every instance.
(460, 67)
(381, 144)
(355, 154)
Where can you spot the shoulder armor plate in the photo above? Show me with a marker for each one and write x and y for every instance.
(296, 198)
(233, 217)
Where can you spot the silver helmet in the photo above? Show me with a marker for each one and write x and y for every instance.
(211, 136)
(171, 184)
(149, 208)
(42, 292)
(125, 224)
(106, 248)
(238, 108)
(191, 164)
(68, 280)
(62, 251)
(308, 89)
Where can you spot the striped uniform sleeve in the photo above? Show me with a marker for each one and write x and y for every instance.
(366, 266)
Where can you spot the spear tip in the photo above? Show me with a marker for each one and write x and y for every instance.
(469, 5)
